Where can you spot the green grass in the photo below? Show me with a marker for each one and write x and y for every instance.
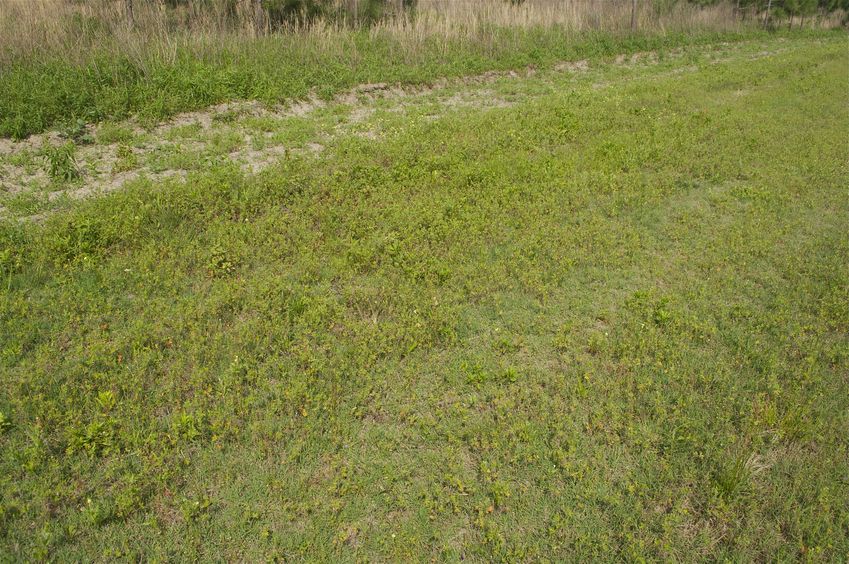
(609, 322)
(114, 133)
(110, 84)
(26, 203)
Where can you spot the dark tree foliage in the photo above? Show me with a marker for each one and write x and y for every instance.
(790, 7)
(281, 12)
(773, 11)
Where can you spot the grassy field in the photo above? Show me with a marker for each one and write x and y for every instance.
(587, 311)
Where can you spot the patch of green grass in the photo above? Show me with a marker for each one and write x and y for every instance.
(186, 131)
(294, 131)
(175, 157)
(229, 116)
(25, 203)
(26, 159)
(263, 124)
(225, 141)
(609, 322)
(125, 159)
(109, 132)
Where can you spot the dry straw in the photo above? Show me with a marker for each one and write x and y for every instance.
(75, 27)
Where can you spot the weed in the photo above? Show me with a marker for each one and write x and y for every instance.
(80, 238)
(77, 131)
(108, 133)
(95, 439)
(5, 423)
(125, 159)
(195, 509)
(61, 163)
(220, 262)
(734, 478)
(129, 497)
(10, 262)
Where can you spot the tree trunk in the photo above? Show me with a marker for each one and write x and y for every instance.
(633, 16)
(768, 9)
(131, 18)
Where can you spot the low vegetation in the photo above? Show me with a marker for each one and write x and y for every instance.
(599, 311)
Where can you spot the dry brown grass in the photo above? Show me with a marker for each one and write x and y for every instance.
(32, 27)
(74, 27)
(479, 20)
(451, 17)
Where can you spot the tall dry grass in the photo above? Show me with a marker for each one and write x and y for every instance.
(468, 17)
(72, 27)
(478, 20)
(75, 28)
(30, 28)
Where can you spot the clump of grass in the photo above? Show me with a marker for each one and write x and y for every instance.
(732, 479)
(5, 423)
(220, 262)
(125, 159)
(60, 162)
(114, 133)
